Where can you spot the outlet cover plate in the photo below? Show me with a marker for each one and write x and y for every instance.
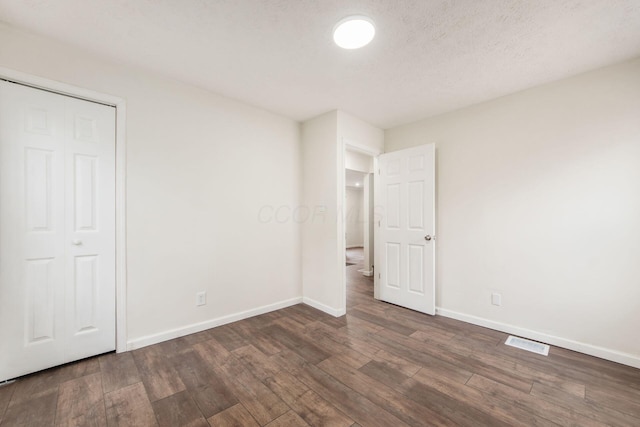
(496, 299)
(201, 298)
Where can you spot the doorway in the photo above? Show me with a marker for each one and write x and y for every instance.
(403, 229)
(356, 211)
(61, 220)
(357, 242)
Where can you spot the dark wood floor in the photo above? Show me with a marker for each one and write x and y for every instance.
(380, 365)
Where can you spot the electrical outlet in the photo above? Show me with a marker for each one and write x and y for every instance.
(496, 298)
(201, 298)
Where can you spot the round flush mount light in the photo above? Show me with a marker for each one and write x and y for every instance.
(354, 32)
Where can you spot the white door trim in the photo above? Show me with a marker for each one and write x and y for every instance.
(347, 144)
(121, 213)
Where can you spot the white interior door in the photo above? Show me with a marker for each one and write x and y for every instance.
(407, 227)
(57, 229)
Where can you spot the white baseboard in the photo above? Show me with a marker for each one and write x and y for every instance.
(208, 324)
(592, 350)
(322, 307)
(367, 273)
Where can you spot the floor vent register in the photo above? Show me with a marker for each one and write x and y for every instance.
(528, 345)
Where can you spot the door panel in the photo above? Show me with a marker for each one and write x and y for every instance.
(407, 182)
(416, 269)
(85, 293)
(41, 300)
(85, 192)
(393, 206)
(40, 307)
(39, 182)
(416, 206)
(393, 265)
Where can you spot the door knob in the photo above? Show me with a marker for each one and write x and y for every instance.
(76, 242)
(427, 237)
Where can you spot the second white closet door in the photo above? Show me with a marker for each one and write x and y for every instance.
(89, 228)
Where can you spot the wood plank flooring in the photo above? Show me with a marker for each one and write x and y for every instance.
(380, 365)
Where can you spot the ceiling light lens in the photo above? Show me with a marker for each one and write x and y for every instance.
(354, 32)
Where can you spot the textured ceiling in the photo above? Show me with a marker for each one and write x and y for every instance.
(428, 57)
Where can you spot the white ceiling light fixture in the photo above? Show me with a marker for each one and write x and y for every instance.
(354, 32)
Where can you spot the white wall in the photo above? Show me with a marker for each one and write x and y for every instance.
(320, 275)
(358, 162)
(200, 167)
(354, 217)
(538, 198)
(359, 132)
(323, 167)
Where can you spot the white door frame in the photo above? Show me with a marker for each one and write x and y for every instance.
(121, 216)
(347, 144)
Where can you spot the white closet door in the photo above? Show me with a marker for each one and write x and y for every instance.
(32, 260)
(57, 240)
(90, 228)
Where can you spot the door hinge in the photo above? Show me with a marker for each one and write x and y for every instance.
(378, 223)
(379, 277)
